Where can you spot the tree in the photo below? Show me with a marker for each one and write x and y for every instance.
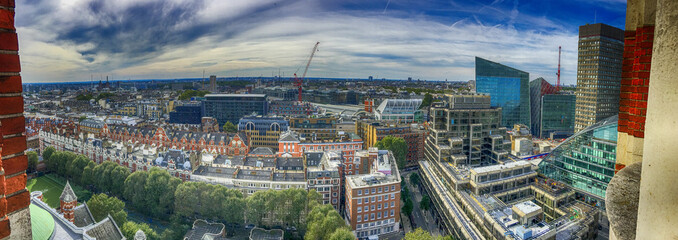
(230, 127)
(425, 202)
(32, 161)
(414, 179)
(159, 190)
(88, 174)
(322, 222)
(426, 102)
(419, 234)
(101, 205)
(256, 207)
(397, 146)
(77, 168)
(408, 207)
(129, 229)
(47, 153)
(135, 191)
(118, 176)
(342, 234)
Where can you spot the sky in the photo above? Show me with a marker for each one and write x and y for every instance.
(79, 40)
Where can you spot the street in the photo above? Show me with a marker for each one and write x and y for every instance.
(420, 218)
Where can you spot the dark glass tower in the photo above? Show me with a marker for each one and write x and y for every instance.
(557, 115)
(509, 89)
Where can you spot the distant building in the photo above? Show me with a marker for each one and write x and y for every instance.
(315, 127)
(213, 83)
(263, 131)
(186, 114)
(585, 161)
(521, 140)
(209, 124)
(598, 73)
(346, 145)
(373, 199)
(509, 89)
(557, 115)
(400, 110)
(232, 107)
(90, 126)
(538, 88)
(291, 108)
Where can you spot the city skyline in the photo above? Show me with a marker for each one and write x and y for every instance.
(437, 40)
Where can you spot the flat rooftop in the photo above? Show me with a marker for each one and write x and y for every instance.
(499, 167)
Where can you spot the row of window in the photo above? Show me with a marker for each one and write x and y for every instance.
(375, 190)
(375, 207)
(376, 223)
(372, 216)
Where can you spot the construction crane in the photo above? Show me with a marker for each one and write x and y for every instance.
(558, 73)
(299, 82)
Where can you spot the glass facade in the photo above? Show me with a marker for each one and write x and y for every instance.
(586, 160)
(508, 88)
(557, 114)
(538, 88)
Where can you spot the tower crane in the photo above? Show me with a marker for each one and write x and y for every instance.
(299, 82)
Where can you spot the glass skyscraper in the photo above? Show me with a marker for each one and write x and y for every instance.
(509, 88)
(585, 161)
(538, 87)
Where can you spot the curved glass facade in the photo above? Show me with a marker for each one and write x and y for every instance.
(586, 160)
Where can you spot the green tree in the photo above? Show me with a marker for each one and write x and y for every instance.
(135, 191)
(408, 207)
(77, 168)
(32, 161)
(88, 174)
(47, 153)
(102, 173)
(118, 176)
(396, 145)
(256, 207)
(101, 205)
(322, 222)
(159, 189)
(342, 234)
(426, 102)
(230, 127)
(129, 229)
(419, 234)
(425, 202)
(414, 179)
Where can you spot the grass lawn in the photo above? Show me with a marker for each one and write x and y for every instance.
(51, 190)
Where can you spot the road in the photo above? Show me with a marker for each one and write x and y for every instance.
(421, 218)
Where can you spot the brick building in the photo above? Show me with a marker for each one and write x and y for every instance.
(15, 220)
(372, 131)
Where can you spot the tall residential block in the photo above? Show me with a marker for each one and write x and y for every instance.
(15, 220)
(599, 70)
(232, 107)
(509, 89)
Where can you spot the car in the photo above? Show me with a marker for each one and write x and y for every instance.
(249, 226)
(291, 229)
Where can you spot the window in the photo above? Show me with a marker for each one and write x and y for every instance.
(360, 201)
(365, 218)
(373, 207)
(392, 203)
(378, 206)
(379, 215)
(367, 200)
(385, 197)
(366, 208)
(372, 216)
(392, 212)
(372, 199)
(360, 210)
(360, 217)
(379, 190)
(379, 198)
(374, 190)
(360, 192)
(392, 187)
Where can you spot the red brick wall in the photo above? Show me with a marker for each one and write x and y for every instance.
(12, 138)
(635, 81)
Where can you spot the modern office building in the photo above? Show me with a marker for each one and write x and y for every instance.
(291, 108)
(466, 130)
(262, 131)
(373, 200)
(400, 110)
(186, 114)
(538, 88)
(599, 70)
(509, 89)
(585, 161)
(557, 115)
(373, 131)
(232, 107)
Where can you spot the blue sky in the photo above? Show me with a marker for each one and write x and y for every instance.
(71, 40)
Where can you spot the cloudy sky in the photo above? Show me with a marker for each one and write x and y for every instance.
(71, 40)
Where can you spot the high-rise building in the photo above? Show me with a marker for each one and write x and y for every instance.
(538, 87)
(585, 161)
(232, 107)
(557, 116)
(598, 73)
(509, 89)
(466, 130)
(213, 83)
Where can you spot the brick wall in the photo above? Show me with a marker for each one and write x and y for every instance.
(14, 214)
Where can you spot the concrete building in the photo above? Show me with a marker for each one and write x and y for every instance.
(509, 89)
(373, 200)
(373, 131)
(466, 130)
(232, 107)
(400, 111)
(262, 131)
(598, 73)
(291, 108)
(585, 161)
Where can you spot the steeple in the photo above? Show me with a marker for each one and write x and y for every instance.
(68, 202)
(67, 195)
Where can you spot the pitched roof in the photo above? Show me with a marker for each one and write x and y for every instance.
(67, 195)
(262, 151)
(83, 216)
(107, 229)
